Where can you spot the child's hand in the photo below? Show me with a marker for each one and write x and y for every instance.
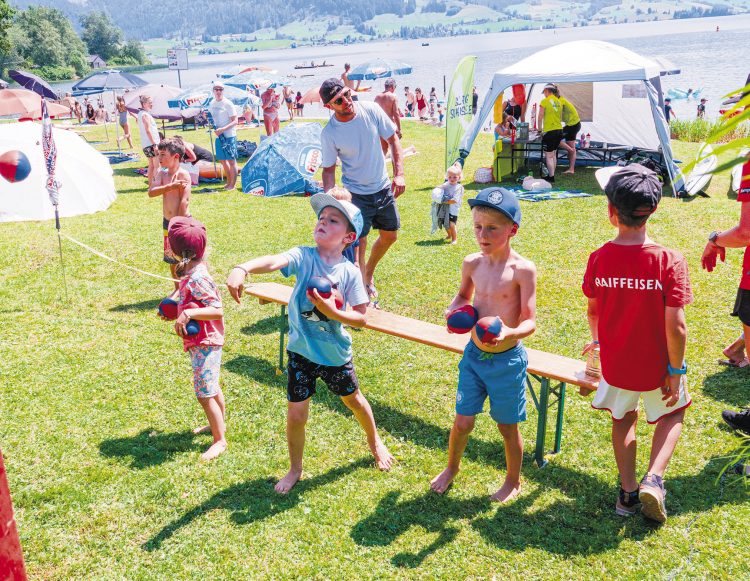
(325, 306)
(218, 132)
(671, 390)
(589, 347)
(505, 333)
(180, 323)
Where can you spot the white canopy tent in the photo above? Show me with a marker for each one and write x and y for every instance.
(85, 175)
(617, 92)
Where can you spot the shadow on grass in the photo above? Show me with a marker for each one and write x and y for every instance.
(263, 326)
(150, 448)
(260, 370)
(254, 500)
(151, 304)
(729, 386)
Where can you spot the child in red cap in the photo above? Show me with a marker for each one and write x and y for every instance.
(200, 301)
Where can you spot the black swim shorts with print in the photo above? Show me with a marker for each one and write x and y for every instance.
(379, 211)
(742, 306)
(150, 151)
(302, 374)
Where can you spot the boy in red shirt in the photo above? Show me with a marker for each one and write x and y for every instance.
(637, 291)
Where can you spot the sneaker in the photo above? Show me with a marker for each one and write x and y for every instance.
(738, 420)
(627, 503)
(652, 494)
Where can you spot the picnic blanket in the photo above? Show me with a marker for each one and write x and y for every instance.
(120, 157)
(522, 194)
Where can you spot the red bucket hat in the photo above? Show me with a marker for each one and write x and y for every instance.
(187, 235)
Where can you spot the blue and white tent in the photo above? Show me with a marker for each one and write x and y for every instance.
(285, 163)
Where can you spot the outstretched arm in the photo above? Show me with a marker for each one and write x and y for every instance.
(263, 264)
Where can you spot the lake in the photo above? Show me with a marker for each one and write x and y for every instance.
(718, 62)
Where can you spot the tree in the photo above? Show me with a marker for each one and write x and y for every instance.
(100, 35)
(6, 19)
(132, 52)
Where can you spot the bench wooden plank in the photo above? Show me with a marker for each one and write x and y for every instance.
(541, 363)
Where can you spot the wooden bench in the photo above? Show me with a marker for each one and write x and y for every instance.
(543, 367)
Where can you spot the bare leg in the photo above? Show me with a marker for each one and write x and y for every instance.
(296, 418)
(513, 458)
(624, 445)
(551, 161)
(570, 146)
(176, 293)
(276, 125)
(382, 244)
(268, 124)
(363, 412)
(215, 415)
(361, 252)
(153, 167)
(663, 442)
(219, 400)
(452, 234)
(232, 174)
(462, 427)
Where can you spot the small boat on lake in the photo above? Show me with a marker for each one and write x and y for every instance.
(313, 65)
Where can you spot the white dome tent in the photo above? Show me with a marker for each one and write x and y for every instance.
(619, 94)
(87, 185)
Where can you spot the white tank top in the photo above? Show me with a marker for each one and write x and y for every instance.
(145, 141)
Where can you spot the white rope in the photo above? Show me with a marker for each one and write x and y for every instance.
(105, 257)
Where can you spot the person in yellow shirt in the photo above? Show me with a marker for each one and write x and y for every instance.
(570, 131)
(550, 123)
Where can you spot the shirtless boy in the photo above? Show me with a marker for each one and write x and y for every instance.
(502, 283)
(389, 103)
(348, 82)
(172, 183)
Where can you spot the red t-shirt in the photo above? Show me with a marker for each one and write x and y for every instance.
(632, 286)
(743, 195)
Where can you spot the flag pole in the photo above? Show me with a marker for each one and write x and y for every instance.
(59, 244)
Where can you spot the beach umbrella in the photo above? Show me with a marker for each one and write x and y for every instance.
(311, 96)
(83, 175)
(202, 95)
(26, 104)
(259, 68)
(378, 69)
(3, 84)
(161, 95)
(256, 79)
(34, 83)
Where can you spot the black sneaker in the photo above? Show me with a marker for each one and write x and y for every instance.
(738, 420)
(627, 503)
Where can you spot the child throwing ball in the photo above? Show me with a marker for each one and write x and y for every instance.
(187, 239)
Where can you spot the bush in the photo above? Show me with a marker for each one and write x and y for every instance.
(697, 130)
(59, 73)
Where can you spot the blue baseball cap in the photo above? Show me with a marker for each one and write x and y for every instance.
(352, 213)
(500, 199)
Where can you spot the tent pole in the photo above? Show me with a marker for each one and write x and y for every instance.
(59, 244)
(117, 123)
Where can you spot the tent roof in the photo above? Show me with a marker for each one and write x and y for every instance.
(582, 60)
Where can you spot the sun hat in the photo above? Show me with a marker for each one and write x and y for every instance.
(187, 234)
(352, 213)
(219, 83)
(501, 199)
(634, 189)
(329, 89)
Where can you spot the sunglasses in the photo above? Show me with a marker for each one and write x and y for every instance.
(220, 89)
(345, 95)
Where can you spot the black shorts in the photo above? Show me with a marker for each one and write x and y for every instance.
(453, 218)
(302, 374)
(150, 151)
(570, 132)
(742, 306)
(551, 140)
(379, 211)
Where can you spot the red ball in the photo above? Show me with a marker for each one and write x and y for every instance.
(168, 309)
(463, 319)
(488, 329)
(14, 166)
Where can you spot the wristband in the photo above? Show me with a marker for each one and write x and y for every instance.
(677, 371)
(242, 269)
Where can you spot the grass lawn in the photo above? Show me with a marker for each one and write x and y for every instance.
(97, 409)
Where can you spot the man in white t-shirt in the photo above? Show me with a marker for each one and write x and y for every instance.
(225, 127)
(353, 135)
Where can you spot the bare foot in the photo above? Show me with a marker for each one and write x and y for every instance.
(287, 483)
(735, 354)
(454, 242)
(508, 491)
(202, 430)
(216, 449)
(228, 187)
(569, 172)
(442, 481)
(383, 458)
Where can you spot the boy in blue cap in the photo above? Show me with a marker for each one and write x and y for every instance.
(501, 283)
(319, 346)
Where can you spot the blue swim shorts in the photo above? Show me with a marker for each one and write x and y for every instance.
(499, 376)
(226, 148)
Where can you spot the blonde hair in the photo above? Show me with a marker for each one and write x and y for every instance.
(455, 169)
(340, 193)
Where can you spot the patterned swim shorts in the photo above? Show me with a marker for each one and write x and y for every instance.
(206, 362)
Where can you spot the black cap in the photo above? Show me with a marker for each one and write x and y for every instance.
(329, 89)
(635, 190)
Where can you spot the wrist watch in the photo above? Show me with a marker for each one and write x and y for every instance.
(713, 237)
(677, 371)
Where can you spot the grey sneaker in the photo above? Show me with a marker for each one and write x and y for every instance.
(652, 495)
(627, 503)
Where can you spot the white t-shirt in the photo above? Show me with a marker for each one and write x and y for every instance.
(357, 144)
(142, 116)
(222, 112)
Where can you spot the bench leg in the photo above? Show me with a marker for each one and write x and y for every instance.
(282, 332)
(560, 414)
(541, 427)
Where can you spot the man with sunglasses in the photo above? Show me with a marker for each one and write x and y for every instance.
(353, 135)
(225, 122)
